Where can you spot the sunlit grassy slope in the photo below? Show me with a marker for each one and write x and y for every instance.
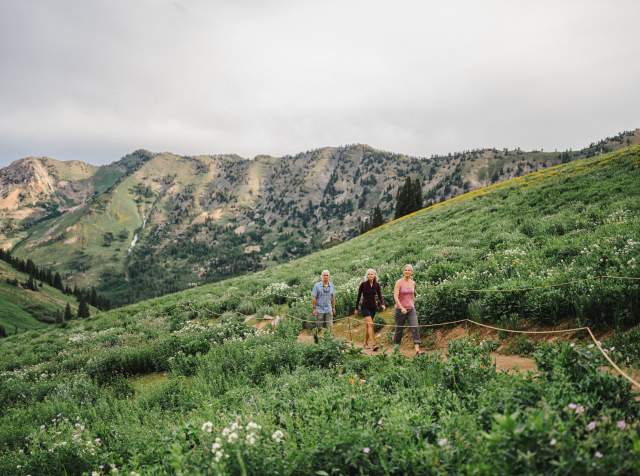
(25, 309)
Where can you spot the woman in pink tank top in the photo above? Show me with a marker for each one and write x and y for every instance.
(404, 295)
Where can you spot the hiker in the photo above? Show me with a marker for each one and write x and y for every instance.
(368, 291)
(323, 302)
(403, 294)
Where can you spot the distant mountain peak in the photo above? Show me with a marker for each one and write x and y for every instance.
(203, 217)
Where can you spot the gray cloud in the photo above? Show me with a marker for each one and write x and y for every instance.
(94, 80)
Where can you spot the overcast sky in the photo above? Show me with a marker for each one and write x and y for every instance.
(94, 80)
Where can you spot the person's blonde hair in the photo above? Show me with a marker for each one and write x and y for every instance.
(366, 275)
(405, 267)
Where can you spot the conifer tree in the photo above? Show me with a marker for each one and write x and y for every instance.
(93, 297)
(67, 313)
(364, 226)
(417, 195)
(409, 197)
(30, 267)
(403, 198)
(31, 284)
(57, 281)
(83, 309)
(376, 217)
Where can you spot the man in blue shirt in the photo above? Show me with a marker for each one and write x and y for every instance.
(323, 301)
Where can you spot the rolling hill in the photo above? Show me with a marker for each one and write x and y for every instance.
(22, 309)
(179, 384)
(153, 223)
(570, 222)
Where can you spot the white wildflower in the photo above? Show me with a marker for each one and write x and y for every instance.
(207, 426)
(253, 426)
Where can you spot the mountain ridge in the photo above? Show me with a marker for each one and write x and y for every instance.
(152, 223)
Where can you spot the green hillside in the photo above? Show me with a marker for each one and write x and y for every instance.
(154, 223)
(165, 387)
(564, 223)
(25, 309)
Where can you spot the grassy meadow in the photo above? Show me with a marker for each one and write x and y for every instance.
(22, 309)
(166, 386)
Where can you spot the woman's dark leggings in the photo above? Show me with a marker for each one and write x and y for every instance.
(401, 320)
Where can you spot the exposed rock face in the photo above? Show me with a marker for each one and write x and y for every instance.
(151, 223)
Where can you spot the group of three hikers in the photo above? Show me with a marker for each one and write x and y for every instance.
(323, 302)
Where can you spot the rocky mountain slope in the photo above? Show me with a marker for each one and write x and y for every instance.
(152, 223)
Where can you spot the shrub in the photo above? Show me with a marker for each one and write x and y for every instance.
(575, 370)
(184, 364)
(441, 304)
(130, 361)
(520, 345)
(610, 302)
(327, 353)
(499, 306)
(247, 307)
(468, 365)
(265, 311)
(378, 324)
(549, 305)
(625, 346)
(170, 395)
(121, 387)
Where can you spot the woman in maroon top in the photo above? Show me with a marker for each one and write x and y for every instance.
(368, 291)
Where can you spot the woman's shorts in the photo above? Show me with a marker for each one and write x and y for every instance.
(368, 312)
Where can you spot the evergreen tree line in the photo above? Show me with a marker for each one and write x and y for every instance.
(83, 312)
(53, 279)
(409, 197)
(408, 200)
(67, 315)
(375, 220)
